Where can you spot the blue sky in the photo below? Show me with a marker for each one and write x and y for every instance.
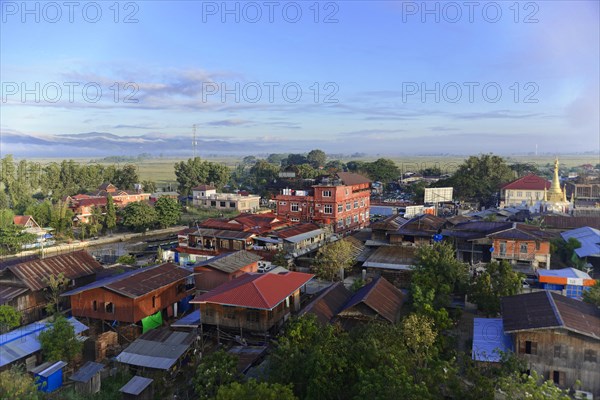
(369, 61)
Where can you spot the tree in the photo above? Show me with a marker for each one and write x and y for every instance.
(6, 217)
(61, 218)
(316, 158)
(592, 295)
(252, 390)
(168, 211)
(522, 386)
(479, 179)
(126, 259)
(333, 257)
(194, 172)
(138, 216)
(18, 384)
(13, 238)
(565, 250)
(294, 159)
(438, 270)
(383, 170)
(110, 217)
(496, 281)
(59, 341)
(9, 318)
(126, 177)
(215, 370)
(56, 285)
(149, 186)
(306, 171)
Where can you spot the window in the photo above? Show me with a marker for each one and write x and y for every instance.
(538, 245)
(326, 193)
(590, 355)
(153, 301)
(229, 312)
(347, 191)
(348, 206)
(109, 307)
(348, 220)
(362, 202)
(209, 312)
(523, 248)
(340, 208)
(95, 305)
(232, 204)
(213, 203)
(282, 203)
(528, 347)
(560, 351)
(519, 194)
(366, 215)
(222, 204)
(294, 207)
(356, 218)
(328, 209)
(558, 377)
(502, 248)
(340, 223)
(528, 195)
(295, 219)
(252, 316)
(362, 217)
(355, 203)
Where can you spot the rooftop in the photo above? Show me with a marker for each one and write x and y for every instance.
(589, 239)
(230, 262)
(379, 295)
(548, 310)
(528, 182)
(259, 291)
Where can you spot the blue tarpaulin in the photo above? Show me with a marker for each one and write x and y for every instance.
(489, 339)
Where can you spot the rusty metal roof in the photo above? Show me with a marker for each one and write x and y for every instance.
(231, 262)
(74, 265)
(328, 303)
(7, 293)
(547, 310)
(138, 282)
(379, 295)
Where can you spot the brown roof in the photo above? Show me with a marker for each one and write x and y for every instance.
(231, 262)
(295, 230)
(564, 222)
(138, 282)
(391, 257)
(328, 303)
(73, 265)
(351, 178)
(379, 295)
(22, 219)
(547, 310)
(8, 293)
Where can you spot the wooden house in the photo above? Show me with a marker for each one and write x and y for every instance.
(134, 295)
(223, 268)
(556, 336)
(87, 379)
(253, 302)
(22, 283)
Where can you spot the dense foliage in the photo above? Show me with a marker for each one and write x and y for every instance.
(18, 384)
(168, 212)
(215, 370)
(59, 341)
(332, 258)
(9, 318)
(194, 172)
(487, 287)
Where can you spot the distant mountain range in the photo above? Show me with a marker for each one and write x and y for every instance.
(100, 144)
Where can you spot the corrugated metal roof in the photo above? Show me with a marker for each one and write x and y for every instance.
(192, 320)
(569, 222)
(328, 303)
(231, 262)
(259, 291)
(589, 239)
(48, 368)
(138, 282)
(563, 273)
(87, 372)
(296, 230)
(381, 296)
(73, 265)
(8, 293)
(303, 236)
(136, 385)
(392, 257)
(222, 234)
(247, 356)
(158, 349)
(489, 340)
(351, 178)
(23, 341)
(544, 309)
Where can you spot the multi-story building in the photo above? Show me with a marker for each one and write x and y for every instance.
(206, 196)
(525, 190)
(556, 336)
(342, 202)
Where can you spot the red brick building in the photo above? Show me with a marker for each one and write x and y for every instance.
(342, 202)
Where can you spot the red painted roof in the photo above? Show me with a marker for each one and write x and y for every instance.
(21, 219)
(260, 291)
(528, 182)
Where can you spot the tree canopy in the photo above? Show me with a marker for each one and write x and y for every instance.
(195, 171)
(215, 370)
(168, 212)
(592, 295)
(333, 257)
(18, 384)
(489, 286)
(253, 390)
(9, 318)
(59, 341)
(138, 216)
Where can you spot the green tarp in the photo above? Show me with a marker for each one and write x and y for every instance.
(151, 322)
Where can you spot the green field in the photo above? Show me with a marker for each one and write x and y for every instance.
(161, 170)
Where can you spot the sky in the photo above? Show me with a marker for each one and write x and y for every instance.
(381, 77)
